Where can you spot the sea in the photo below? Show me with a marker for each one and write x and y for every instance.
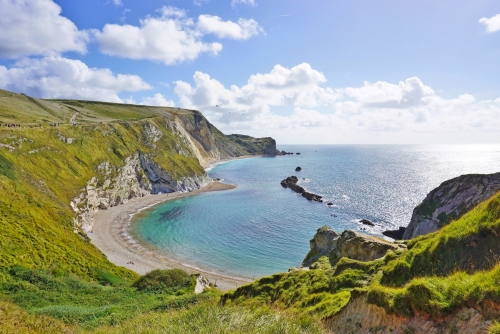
(261, 228)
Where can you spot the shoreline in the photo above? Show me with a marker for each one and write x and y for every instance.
(111, 236)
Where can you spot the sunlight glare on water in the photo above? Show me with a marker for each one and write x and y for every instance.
(260, 228)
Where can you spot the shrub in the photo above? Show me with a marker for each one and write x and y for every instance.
(164, 281)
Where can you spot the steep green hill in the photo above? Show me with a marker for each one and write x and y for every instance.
(42, 169)
(53, 280)
(439, 278)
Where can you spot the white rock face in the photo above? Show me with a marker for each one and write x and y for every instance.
(450, 201)
(162, 182)
(201, 284)
(113, 186)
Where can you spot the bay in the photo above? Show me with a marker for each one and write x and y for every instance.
(260, 228)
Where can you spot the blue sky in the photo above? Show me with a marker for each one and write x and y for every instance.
(302, 72)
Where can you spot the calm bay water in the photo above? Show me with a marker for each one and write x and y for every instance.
(260, 228)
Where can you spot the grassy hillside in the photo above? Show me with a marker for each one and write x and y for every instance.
(22, 109)
(42, 173)
(439, 274)
(52, 279)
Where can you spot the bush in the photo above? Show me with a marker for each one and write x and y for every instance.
(164, 281)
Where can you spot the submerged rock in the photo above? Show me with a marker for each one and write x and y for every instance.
(450, 201)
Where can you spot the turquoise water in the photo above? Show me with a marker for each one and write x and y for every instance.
(260, 228)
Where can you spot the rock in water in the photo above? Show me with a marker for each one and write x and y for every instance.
(298, 169)
(291, 182)
(366, 222)
(395, 234)
(450, 201)
(329, 204)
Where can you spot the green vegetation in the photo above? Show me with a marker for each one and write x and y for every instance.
(468, 244)
(164, 281)
(253, 145)
(53, 280)
(43, 174)
(54, 302)
(320, 292)
(455, 267)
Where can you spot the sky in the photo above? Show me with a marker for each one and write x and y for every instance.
(302, 72)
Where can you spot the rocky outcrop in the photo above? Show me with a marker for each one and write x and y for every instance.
(450, 201)
(395, 234)
(291, 182)
(113, 186)
(201, 284)
(298, 169)
(321, 245)
(251, 145)
(361, 247)
(162, 182)
(350, 244)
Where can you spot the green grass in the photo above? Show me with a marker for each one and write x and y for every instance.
(468, 244)
(37, 188)
(89, 305)
(209, 319)
(320, 292)
(438, 296)
(51, 302)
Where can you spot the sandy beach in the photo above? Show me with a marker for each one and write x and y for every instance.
(110, 235)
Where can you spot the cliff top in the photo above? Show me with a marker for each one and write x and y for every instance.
(22, 109)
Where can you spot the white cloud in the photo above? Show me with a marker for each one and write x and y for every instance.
(172, 37)
(157, 100)
(492, 24)
(200, 2)
(243, 2)
(297, 87)
(57, 77)
(410, 93)
(295, 105)
(244, 29)
(118, 2)
(36, 27)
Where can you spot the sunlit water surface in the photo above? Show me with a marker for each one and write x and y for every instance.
(260, 228)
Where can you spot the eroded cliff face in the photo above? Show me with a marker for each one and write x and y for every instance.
(450, 201)
(153, 169)
(113, 186)
(360, 316)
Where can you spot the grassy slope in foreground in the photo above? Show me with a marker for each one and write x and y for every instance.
(439, 273)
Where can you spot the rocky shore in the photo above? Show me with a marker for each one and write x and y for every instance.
(291, 183)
